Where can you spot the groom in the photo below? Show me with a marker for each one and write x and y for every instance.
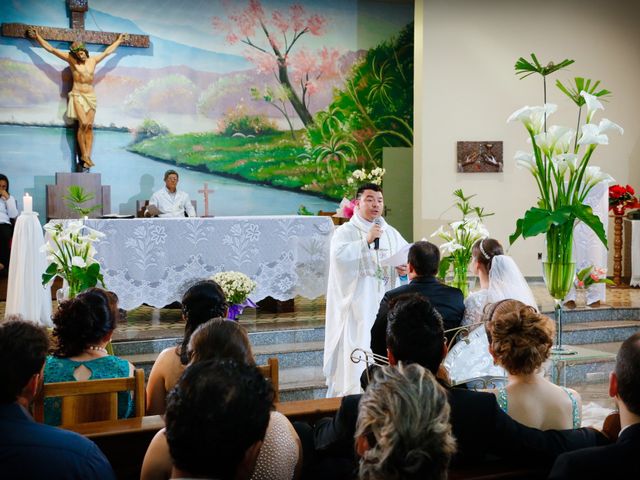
(422, 262)
(357, 282)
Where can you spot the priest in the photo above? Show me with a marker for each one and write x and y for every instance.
(358, 279)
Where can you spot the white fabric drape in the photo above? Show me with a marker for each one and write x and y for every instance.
(25, 294)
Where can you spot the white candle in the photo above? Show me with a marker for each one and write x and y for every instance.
(27, 203)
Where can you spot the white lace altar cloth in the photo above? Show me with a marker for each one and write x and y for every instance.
(154, 260)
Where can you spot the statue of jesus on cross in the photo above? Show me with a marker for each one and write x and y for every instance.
(82, 97)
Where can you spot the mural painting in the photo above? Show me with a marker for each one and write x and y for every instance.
(272, 103)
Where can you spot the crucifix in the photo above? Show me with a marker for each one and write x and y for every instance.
(82, 98)
(206, 191)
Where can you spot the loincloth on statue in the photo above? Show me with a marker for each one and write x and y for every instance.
(88, 101)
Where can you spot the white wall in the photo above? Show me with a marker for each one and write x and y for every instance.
(466, 88)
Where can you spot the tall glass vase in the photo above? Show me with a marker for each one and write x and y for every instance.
(559, 272)
(460, 279)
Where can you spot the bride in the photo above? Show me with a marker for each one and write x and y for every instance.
(500, 279)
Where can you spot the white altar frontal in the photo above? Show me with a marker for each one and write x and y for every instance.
(154, 260)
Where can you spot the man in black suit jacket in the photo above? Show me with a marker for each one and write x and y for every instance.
(479, 425)
(618, 460)
(423, 261)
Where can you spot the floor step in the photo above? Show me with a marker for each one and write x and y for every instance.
(302, 383)
(291, 355)
(599, 331)
(588, 314)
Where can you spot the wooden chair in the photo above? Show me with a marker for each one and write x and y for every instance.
(270, 372)
(91, 400)
(141, 206)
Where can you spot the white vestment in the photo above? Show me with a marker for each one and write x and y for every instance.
(357, 283)
(172, 204)
(587, 247)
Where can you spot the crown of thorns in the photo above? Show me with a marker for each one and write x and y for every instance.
(77, 48)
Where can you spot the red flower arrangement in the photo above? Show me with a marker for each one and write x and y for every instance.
(621, 198)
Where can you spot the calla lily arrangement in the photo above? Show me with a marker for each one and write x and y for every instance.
(459, 239)
(559, 162)
(71, 253)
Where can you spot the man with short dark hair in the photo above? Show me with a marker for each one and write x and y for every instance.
(169, 201)
(217, 416)
(618, 460)
(422, 262)
(357, 281)
(29, 449)
(478, 423)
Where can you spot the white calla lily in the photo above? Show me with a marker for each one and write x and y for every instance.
(593, 104)
(450, 247)
(571, 160)
(605, 125)
(533, 117)
(593, 175)
(547, 141)
(78, 262)
(590, 135)
(439, 232)
(526, 160)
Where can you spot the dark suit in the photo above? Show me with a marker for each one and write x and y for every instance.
(479, 426)
(34, 450)
(448, 301)
(618, 460)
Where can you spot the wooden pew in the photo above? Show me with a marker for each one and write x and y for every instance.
(124, 442)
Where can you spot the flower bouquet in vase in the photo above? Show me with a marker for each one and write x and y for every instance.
(236, 287)
(459, 239)
(71, 253)
(559, 162)
(585, 278)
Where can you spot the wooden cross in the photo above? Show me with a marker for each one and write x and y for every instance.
(205, 191)
(78, 8)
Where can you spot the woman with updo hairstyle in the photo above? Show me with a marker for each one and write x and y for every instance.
(520, 340)
(280, 456)
(83, 326)
(403, 429)
(202, 301)
(500, 278)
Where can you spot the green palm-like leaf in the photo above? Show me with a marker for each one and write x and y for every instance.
(582, 84)
(524, 68)
(76, 196)
(382, 84)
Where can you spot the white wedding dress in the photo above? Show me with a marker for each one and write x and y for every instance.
(470, 358)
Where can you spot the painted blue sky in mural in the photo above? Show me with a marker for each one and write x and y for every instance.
(184, 30)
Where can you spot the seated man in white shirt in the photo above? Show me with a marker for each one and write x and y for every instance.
(169, 201)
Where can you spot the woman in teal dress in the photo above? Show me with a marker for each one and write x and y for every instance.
(83, 326)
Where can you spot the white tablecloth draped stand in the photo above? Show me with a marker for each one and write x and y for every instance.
(25, 294)
(634, 281)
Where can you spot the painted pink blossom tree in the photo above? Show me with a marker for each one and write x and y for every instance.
(253, 27)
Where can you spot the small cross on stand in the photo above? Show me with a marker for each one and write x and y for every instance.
(82, 102)
(206, 191)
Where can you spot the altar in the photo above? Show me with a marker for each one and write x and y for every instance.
(154, 260)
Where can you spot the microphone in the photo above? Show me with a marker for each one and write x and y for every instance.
(376, 242)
